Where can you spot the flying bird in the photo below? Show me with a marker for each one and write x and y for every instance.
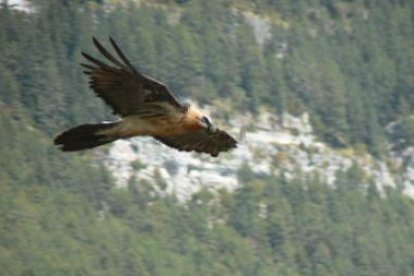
(146, 107)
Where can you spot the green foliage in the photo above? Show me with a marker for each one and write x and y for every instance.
(402, 133)
(339, 60)
(348, 63)
(267, 227)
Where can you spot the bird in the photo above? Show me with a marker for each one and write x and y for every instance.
(145, 107)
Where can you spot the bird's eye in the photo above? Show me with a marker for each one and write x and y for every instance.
(207, 120)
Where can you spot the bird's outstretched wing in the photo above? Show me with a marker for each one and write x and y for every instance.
(125, 90)
(201, 141)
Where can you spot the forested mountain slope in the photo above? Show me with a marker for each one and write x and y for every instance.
(348, 64)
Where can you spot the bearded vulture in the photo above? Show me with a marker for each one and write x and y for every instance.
(146, 108)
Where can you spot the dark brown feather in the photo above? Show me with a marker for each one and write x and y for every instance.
(121, 54)
(201, 141)
(106, 53)
(84, 137)
(123, 88)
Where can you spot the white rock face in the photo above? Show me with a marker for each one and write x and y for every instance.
(407, 157)
(22, 5)
(275, 144)
(261, 26)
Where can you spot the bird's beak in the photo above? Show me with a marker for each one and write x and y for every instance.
(210, 128)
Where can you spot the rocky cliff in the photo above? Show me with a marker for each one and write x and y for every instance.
(269, 144)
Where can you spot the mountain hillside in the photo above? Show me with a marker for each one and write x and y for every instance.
(319, 94)
(269, 145)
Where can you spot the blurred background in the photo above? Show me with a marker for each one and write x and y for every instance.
(320, 94)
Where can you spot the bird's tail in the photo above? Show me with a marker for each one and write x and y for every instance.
(84, 137)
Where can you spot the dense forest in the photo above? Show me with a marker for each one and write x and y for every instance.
(349, 63)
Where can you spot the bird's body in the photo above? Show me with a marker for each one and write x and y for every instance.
(137, 126)
(146, 108)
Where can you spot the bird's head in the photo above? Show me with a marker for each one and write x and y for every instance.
(199, 120)
(206, 123)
